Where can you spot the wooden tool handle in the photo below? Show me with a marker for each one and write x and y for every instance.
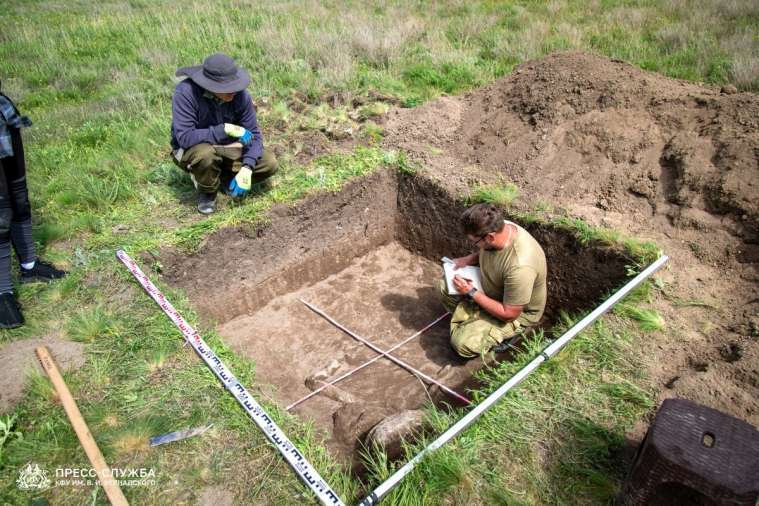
(107, 481)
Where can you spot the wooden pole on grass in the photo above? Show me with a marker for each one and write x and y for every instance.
(109, 484)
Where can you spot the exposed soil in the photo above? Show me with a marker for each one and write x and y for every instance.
(239, 270)
(383, 296)
(215, 496)
(369, 257)
(655, 158)
(19, 359)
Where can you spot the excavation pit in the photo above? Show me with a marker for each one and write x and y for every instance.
(367, 256)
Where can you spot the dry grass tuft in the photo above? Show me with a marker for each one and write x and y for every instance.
(131, 441)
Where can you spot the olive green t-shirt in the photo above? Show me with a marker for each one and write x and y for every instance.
(516, 275)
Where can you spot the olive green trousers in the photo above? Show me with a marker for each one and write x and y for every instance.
(210, 171)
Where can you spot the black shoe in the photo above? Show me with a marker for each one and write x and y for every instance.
(10, 315)
(42, 271)
(206, 203)
(506, 345)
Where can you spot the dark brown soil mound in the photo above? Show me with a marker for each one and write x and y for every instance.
(657, 158)
(590, 130)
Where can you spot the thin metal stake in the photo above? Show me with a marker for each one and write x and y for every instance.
(384, 353)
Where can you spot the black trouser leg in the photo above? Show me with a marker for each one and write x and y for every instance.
(21, 222)
(6, 214)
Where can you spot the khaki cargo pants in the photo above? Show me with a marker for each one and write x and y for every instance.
(212, 168)
(473, 330)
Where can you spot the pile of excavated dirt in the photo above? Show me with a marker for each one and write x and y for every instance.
(656, 158)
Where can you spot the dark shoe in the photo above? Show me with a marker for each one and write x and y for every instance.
(206, 203)
(506, 345)
(10, 315)
(42, 271)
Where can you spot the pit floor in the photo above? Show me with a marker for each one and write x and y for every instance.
(385, 297)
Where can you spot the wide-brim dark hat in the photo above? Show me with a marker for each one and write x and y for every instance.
(219, 74)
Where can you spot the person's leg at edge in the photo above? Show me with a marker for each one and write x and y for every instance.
(10, 314)
(14, 168)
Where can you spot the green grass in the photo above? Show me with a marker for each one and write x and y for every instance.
(639, 252)
(97, 80)
(648, 320)
(502, 195)
(554, 439)
(7, 432)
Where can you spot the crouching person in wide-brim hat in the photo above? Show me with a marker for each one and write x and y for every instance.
(214, 131)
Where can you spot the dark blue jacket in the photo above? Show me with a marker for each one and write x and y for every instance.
(198, 116)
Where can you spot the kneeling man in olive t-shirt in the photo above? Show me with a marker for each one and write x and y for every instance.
(513, 297)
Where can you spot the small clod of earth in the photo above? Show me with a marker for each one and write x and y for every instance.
(731, 352)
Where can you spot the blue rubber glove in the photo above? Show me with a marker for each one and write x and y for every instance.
(241, 134)
(241, 184)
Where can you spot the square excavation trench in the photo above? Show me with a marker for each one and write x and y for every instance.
(368, 256)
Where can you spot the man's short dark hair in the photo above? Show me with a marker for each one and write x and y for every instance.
(481, 219)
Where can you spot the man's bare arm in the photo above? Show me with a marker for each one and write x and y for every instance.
(504, 312)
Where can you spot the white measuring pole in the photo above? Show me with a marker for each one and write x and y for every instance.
(276, 436)
(384, 353)
(343, 376)
(547, 353)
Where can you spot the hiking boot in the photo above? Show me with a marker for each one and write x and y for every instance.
(514, 343)
(10, 315)
(42, 271)
(206, 203)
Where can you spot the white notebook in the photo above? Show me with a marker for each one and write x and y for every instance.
(469, 272)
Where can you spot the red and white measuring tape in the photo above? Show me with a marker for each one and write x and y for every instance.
(302, 467)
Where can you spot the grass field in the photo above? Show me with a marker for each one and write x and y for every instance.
(97, 78)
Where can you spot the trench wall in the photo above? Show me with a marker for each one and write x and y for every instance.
(578, 276)
(239, 270)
